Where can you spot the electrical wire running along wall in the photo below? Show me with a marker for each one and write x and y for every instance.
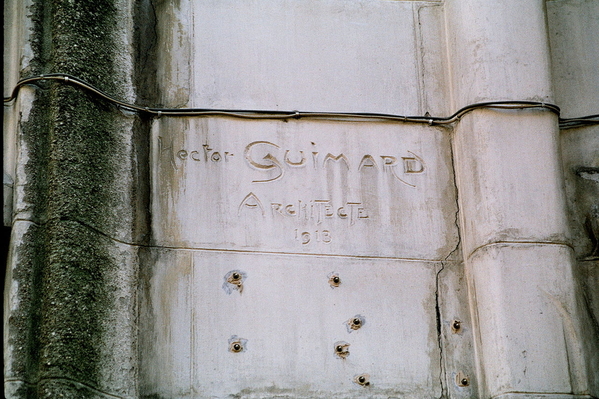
(564, 123)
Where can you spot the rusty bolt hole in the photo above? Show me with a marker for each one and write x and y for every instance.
(334, 280)
(237, 344)
(362, 379)
(236, 347)
(234, 281)
(355, 323)
(462, 380)
(342, 349)
(456, 326)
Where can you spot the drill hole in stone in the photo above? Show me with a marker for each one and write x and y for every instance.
(355, 323)
(462, 379)
(234, 281)
(456, 326)
(341, 349)
(236, 344)
(334, 280)
(362, 379)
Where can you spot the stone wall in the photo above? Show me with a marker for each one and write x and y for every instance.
(289, 242)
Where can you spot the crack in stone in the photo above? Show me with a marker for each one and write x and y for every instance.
(443, 371)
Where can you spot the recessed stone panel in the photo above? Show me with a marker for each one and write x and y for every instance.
(319, 187)
(278, 334)
(332, 55)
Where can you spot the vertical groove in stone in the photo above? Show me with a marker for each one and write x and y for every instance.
(72, 317)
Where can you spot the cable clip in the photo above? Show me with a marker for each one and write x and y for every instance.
(296, 114)
(66, 78)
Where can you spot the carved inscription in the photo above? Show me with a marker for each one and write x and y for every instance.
(271, 162)
(315, 211)
(306, 237)
(265, 156)
(208, 155)
(319, 210)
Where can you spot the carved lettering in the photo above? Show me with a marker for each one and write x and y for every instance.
(318, 210)
(195, 156)
(268, 157)
(305, 237)
(367, 162)
(207, 150)
(389, 163)
(182, 154)
(169, 150)
(251, 201)
(331, 157)
(276, 207)
(302, 161)
(270, 161)
(209, 155)
(413, 164)
(263, 166)
(324, 209)
(315, 158)
(356, 212)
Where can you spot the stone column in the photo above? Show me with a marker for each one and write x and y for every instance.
(513, 213)
(70, 295)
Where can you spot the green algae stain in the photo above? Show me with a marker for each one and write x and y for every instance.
(76, 153)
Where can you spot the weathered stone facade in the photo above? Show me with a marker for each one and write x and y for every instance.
(326, 248)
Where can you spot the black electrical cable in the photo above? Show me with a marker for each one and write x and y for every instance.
(269, 114)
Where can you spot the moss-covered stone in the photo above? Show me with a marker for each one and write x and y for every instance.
(79, 159)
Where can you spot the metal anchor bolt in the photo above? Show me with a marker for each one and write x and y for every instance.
(236, 347)
(342, 349)
(362, 379)
(234, 281)
(237, 344)
(355, 323)
(334, 280)
(462, 380)
(456, 326)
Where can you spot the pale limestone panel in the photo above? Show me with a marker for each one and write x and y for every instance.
(517, 289)
(573, 27)
(494, 60)
(291, 317)
(493, 147)
(332, 55)
(304, 187)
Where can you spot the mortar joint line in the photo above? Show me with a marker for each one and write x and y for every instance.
(517, 242)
